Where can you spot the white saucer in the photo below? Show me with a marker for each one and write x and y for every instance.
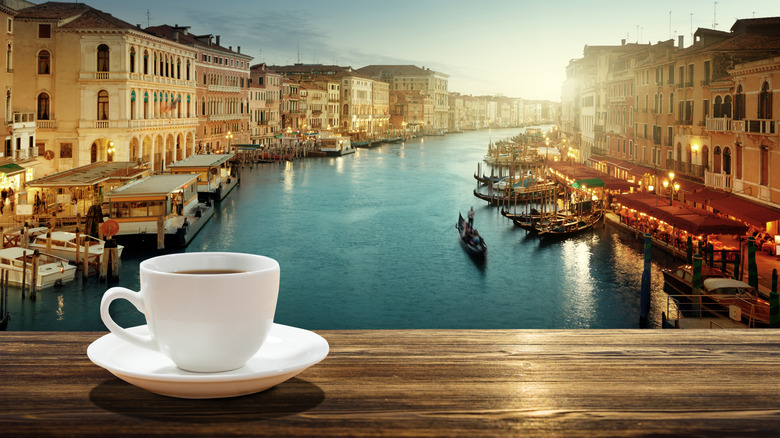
(286, 352)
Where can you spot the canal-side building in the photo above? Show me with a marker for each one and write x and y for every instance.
(221, 78)
(704, 116)
(103, 89)
(269, 81)
(411, 77)
(18, 155)
(257, 113)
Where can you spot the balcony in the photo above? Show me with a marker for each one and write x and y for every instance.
(756, 126)
(156, 123)
(224, 88)
(46, 124)
(718, 124)
(720, 181)
(684, 168)
(25, 154)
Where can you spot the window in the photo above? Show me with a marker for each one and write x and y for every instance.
(43, 106)
(764, 165)
(43, 62)
(44, 31)
(146, 62)
(66, 150)
(132, 60)
(10, 25)
(739, 104)
(102, 58)
(41, 148)
(102, 105)
(765, 102)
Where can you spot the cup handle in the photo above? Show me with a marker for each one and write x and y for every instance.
(134, 298)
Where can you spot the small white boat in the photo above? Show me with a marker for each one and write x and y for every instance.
(51, 270)
(63, 244)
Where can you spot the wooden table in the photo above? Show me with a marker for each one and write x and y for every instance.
(426, 382)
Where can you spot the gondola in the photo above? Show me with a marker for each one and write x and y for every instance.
(470, 239)
(571, 227)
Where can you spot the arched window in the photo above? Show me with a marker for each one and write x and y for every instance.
(717, 107)
(93, 153)
(146, 62)
(726, 108)
(44, 62)
(178, 69)
(739, 104)
(102, 105)
(188, 70)
(8, 59)
(765, 102)
(8, 113)
(43, 106)
(132, 105)
(716, 160)
(727, 160)
(132, 60)
(102, 58)
(146, 105)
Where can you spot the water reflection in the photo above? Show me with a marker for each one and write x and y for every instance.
(576, 263)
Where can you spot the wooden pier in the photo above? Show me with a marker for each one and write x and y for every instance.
(426, 383)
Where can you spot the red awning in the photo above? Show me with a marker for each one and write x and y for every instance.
(747, 211)
(693, 220)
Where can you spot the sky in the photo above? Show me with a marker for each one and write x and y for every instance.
(514, 48)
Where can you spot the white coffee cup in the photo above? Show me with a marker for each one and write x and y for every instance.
(207, 311)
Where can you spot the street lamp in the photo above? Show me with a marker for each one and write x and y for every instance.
(110, 151)
(229, 137)
(671, 186)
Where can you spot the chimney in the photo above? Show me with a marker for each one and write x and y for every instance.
(238, 49)
(230, 48)
(680, 41)
(176, 36)
(623, 42)
(217, 39)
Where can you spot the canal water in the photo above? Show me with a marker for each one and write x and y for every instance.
(368, 241)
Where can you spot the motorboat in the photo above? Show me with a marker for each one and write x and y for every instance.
(679, 280)
(65, 244)
(52, 270)
(733, 294)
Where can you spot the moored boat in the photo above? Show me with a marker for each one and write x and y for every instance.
(64, 244)
(470, 239)
(729, 294)
(570, 226)
(52, 270)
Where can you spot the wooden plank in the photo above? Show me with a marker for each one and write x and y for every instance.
(427, 383)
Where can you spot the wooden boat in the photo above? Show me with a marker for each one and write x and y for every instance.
(52, 270)
(63, 244)
(679, 280)
(729, 293)
(569, 227)
(529, 221)
(470, 239)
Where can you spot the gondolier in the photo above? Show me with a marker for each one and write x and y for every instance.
(471, 217)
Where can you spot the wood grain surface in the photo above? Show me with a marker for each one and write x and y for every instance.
(426, 383)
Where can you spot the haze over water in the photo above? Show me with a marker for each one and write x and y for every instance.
(368, 241)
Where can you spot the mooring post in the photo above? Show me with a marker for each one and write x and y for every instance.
(34, 274)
